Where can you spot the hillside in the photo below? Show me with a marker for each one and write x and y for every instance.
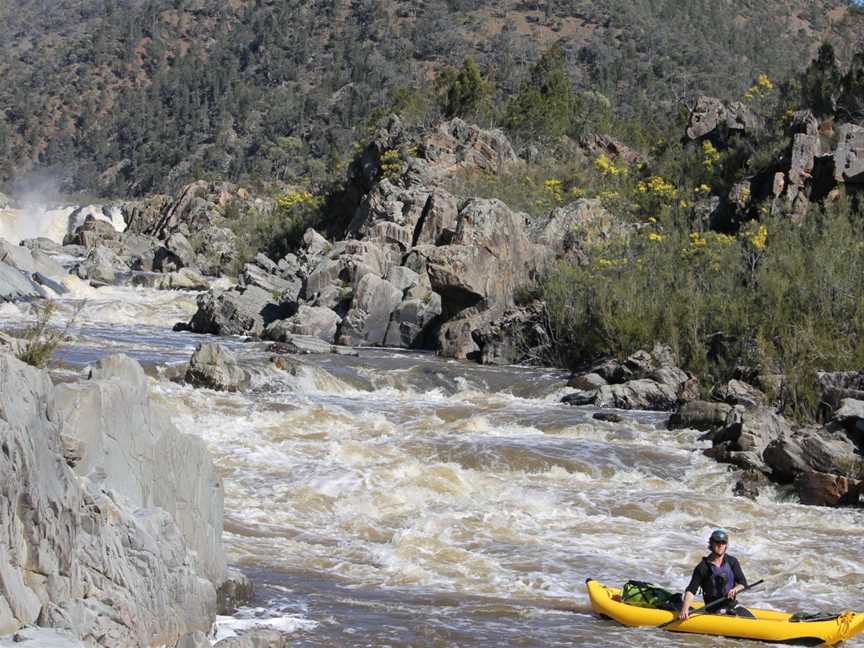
(117, 97)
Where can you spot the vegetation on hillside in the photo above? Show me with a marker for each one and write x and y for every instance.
(131, 98)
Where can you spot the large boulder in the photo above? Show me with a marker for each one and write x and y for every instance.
(215, 367)
(15, 285)
(745, 435)
(456, 145)
(700, 415)
(243, 310)
(375, 299)
(93, 232)
(313, 321)
(101, 265)
(579, 225)
(711, 117)
(849, 154)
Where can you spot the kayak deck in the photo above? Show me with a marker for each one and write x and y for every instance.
(769, 625)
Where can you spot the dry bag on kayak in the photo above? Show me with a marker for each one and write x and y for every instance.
(648, 595)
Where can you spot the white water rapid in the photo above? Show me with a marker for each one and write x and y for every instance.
(35, 221)
(397, 499)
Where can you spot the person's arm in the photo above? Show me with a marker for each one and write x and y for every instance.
(684, 612)
(690, 591)
(740, 580)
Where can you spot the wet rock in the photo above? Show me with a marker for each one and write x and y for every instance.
(411, 323)
(823, 489)
(700, 415)
(587, 382)
(749, 483)
(644, 394)
(215, 367)
(314, 321)
(237, 591)
(609, 417)
(101, 266)
(579, 398)
(15, 285)
(239, 311)
(455, 339)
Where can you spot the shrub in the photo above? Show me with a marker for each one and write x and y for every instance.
(782, 298)
(40, 339)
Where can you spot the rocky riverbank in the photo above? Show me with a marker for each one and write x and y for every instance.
(110, 518)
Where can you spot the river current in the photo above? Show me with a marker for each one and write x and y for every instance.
(399, 499)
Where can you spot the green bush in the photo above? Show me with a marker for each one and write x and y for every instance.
(40, 340)
(781, 298)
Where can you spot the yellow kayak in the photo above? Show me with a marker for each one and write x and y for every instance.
(767, 626)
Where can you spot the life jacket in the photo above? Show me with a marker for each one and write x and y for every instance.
(721, 580)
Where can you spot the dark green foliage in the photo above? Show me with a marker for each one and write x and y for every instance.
(820, 83)
(544, 106)
(464, 91)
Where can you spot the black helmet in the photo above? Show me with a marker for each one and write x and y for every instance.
(718, 535)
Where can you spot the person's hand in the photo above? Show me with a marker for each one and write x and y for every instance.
(732, 593)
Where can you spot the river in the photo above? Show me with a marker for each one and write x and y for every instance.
(399, 499)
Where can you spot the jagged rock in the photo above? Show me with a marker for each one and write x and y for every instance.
(93, 232)
(175, 254)
(125, 548)
(700, 415)
(183, 279)
(193, 640)
(46, 245)
(437, 222)
(346, 264)
(748, 484)
(101, 265)
(282, 290)
(835, 386)
(456, 145)
(579, 224)
(411, 322)
(216, 249)
(391, 214)
(375, 299)
(580, 397)
(609, 417)
(822, 489)
(314, 321)
(15, 285)
(804, 121)
(236, 591)
(710, 116)
(587, 382)
(455, 339)
(215, 367)
(737, 392)
(745, 436)
(596, 145)
(519, 336)
(643, 393)
(849, 154)
(239, 311)
(30, 261)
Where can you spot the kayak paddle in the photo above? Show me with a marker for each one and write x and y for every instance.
(710, 606)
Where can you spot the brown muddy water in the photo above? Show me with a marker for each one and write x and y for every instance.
(398, 499)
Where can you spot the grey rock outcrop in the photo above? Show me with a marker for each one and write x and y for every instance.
(15, 285)
(215, 367)
(375, 299)
(315, 321)
(110, 519)
(238, 311)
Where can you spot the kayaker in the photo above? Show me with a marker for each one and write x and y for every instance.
(719, 576)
